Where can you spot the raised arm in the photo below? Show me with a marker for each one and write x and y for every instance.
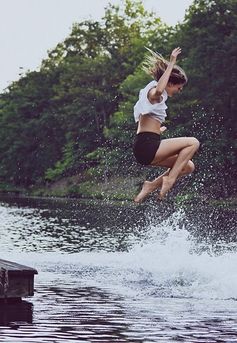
(155, 93)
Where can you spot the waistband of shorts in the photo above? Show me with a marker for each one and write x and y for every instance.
(148, 134)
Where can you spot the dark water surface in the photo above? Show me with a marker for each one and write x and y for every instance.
(151, 273)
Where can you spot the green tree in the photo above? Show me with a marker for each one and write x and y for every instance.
(30, 133)
(207, 37)
(93, 61)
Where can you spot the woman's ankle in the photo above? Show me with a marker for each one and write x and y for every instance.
(170, 179)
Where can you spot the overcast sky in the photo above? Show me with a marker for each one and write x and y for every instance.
(29, 28)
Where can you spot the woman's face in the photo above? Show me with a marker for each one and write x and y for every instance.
(172, 89)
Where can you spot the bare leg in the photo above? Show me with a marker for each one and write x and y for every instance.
(150, 186)
(185, 148)
(169, 180)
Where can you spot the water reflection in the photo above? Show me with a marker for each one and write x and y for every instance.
(93, 312)
(70, 227)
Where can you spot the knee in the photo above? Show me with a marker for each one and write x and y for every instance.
(190, 167)
(195, 142)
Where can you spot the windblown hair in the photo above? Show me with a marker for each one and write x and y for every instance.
(155, 65)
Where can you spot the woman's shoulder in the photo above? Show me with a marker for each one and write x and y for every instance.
(148, 87)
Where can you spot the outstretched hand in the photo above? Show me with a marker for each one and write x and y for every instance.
(174, 54)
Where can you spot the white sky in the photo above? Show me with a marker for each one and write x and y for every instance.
(29, 28)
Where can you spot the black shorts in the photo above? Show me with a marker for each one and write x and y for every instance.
(145, 147)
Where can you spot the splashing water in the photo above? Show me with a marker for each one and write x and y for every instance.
(167, 264)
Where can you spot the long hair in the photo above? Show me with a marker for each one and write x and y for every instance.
(155, 65)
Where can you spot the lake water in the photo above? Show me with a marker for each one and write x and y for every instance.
(124, 273)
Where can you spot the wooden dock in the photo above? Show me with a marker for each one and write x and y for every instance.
(16, 280)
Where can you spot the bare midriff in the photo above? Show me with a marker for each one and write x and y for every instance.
(148, 124)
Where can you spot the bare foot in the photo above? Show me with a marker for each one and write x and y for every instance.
(166, 186)
(147, 188)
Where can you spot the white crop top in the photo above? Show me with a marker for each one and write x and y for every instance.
(143, 105)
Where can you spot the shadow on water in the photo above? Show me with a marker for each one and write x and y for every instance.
(15, 311)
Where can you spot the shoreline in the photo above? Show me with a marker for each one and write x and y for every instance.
(117, 190)
(178, 200)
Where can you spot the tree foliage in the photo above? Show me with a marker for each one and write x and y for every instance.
(76, 112)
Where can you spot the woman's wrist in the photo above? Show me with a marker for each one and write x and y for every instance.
(172, 62)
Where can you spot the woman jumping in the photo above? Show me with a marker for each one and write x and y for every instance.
(149, 112)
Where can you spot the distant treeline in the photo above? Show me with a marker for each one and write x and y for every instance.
(75, 115)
